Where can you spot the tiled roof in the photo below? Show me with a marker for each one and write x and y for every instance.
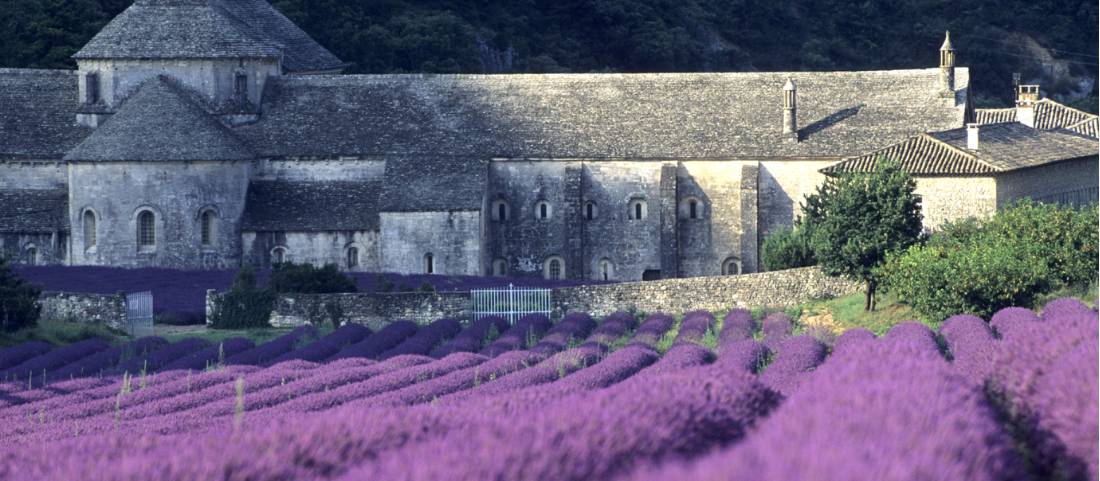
(1002, 147)
(440, 183)
(994, 116)
(37, 114)
(169, 29)
(597, 116)
(161, 122)
(34, 211)
(1086, 127)
(300, 52)
(311, 206)
(1052, 115)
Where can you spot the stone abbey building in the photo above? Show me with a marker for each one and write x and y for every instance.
(213, 133)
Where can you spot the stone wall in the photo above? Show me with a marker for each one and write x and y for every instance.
(946, 198)
(317, 248)
(674, 296)
(29, 174)
(1070, 182)
(372, 309)
(452, 238)
(109, 309)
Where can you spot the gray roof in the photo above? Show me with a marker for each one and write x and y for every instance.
(1052, 115)
(37, 119)
(596, 116)
(1087, 127)
(1001, 147)
(994, 116)
(34, 211)
(311, 206)
(161, 121)
(441, 183)
(172, 29)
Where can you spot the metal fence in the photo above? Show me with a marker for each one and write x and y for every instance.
(139, 314)
(510, 303)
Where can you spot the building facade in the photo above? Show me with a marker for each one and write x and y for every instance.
(245, 145)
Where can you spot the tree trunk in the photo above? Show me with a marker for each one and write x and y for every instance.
(869, 302)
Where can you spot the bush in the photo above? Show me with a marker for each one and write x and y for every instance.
(18, 300)
(1010, 260)
(787, 248)
(244, 305)
(307, 279)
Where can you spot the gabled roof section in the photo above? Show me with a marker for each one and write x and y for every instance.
(37, 114)
(443, 183)
(285, 206)
(919, 155)
(300, 52)
(994, 116)
(1001, 148)
(600, 116)
(34, 211)
(1086, 127)
(1052, 115)
(160, 122)
(176, 29)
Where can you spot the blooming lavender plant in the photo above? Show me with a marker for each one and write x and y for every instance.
(744, 355)
(572, 328)
(473, 337)
(325, 347)
(694, 327)
(776, 327)
(653, 329)
(425, 339)
(795, 357)
(852, 337)
(971, 345)
(387, 337)
(520, 336)
(40, 366)
(212, 356)
(736, 326)
(274, 348)
(12, 356)
(614, 326)
(1011, 319)
(96, 363)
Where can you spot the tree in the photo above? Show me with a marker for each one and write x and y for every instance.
(858, 218)
(307, 279)
(787, 248)
(18, 300)
(244, 305)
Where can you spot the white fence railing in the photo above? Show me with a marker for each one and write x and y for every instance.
(511, 303)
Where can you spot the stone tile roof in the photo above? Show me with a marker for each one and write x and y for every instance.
(441, 183)
(1002, 147)
(311, 206)
(34, 211)
(1086, 127)
(994, 116)
(1052, 115)
(598, 116)
(300, 52)
(161, 121)
(37, 114)
(173, 29)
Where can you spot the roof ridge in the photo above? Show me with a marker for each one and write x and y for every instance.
(1067, 107)
(962, 151)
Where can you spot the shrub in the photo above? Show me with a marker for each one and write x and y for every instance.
(307, 279)
(244, 305)
(18, 300)
(787, 248)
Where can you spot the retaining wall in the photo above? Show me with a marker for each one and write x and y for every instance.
(109, 309)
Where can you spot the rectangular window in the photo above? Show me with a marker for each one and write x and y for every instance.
(91, 88)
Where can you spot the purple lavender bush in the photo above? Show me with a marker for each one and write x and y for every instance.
(744, 355)
(42, 365)
(159, 358)
(914, 334)
(325, 347)
(971, 345)
(215, 355)
(653, 329)
(1007, 321)
(612, 328)
(694, 327)
(794, 358)
(738, 325)
(425, 339)
(12, 356)
(776, 327)
(391, 335)
(276, 347)
(95, 364)
(527, 330)
(1065, 306)
(573, 328)
(473, 337)
(852, 337)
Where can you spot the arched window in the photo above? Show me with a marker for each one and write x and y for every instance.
(731, 266)
(146, 230)
(207, 221)
(590, 210)
(429, 263)
(542, 210)
(353, 257)
(279, 255)
(691, 208)
(605, 270)
(500, 210)
(89, 230)
(500, 267)
(31, 254)
(638, 209)
(554, 268)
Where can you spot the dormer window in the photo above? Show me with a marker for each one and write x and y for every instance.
(91, 88)
(240, 88)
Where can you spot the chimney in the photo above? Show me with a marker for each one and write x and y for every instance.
(1026, 97)
(790, 111)
(972, 134)
(947, 67)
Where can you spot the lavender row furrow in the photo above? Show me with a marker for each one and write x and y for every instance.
(379, 342)
(571, 329)
(524, 334)
(270, 350)
(324, 348)
(425, 339)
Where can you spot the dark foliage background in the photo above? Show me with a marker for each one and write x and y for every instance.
(1053, 42)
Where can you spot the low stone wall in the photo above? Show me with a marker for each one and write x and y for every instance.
(372, 309)
(109, 309)
(765, 289)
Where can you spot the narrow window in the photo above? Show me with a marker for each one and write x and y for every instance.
(147, 230)
(638, 210)
(89, 230)
(206, 228)
(32, 255)
(278, 255)
(543, 211)
(606, 270)
(590, 211)
(429, 263)
(500, 211)
(240, 88)
(353, 257)
(500, 267)
(693, 209)
(554, 268)
(91, 88)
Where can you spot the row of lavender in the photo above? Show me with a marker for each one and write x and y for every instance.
(913, 405)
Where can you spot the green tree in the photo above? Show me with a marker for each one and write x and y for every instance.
(858, 218)
(18, 300)
(244, 305)
(308, 279)
(788, 248)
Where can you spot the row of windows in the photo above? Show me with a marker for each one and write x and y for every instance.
(146, 229)
(637, 209)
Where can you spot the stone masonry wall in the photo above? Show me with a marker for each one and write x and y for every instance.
(372, 309)
(675, 296)
(109, 309)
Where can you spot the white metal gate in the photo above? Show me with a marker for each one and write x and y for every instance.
(510, 303)
(139, 314)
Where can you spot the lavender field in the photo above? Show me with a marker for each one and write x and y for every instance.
(1012, 397)
(182, 294)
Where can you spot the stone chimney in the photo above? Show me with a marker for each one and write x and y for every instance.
(972, 136)
(790, 111)
(1026, 97)
(947, 66)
